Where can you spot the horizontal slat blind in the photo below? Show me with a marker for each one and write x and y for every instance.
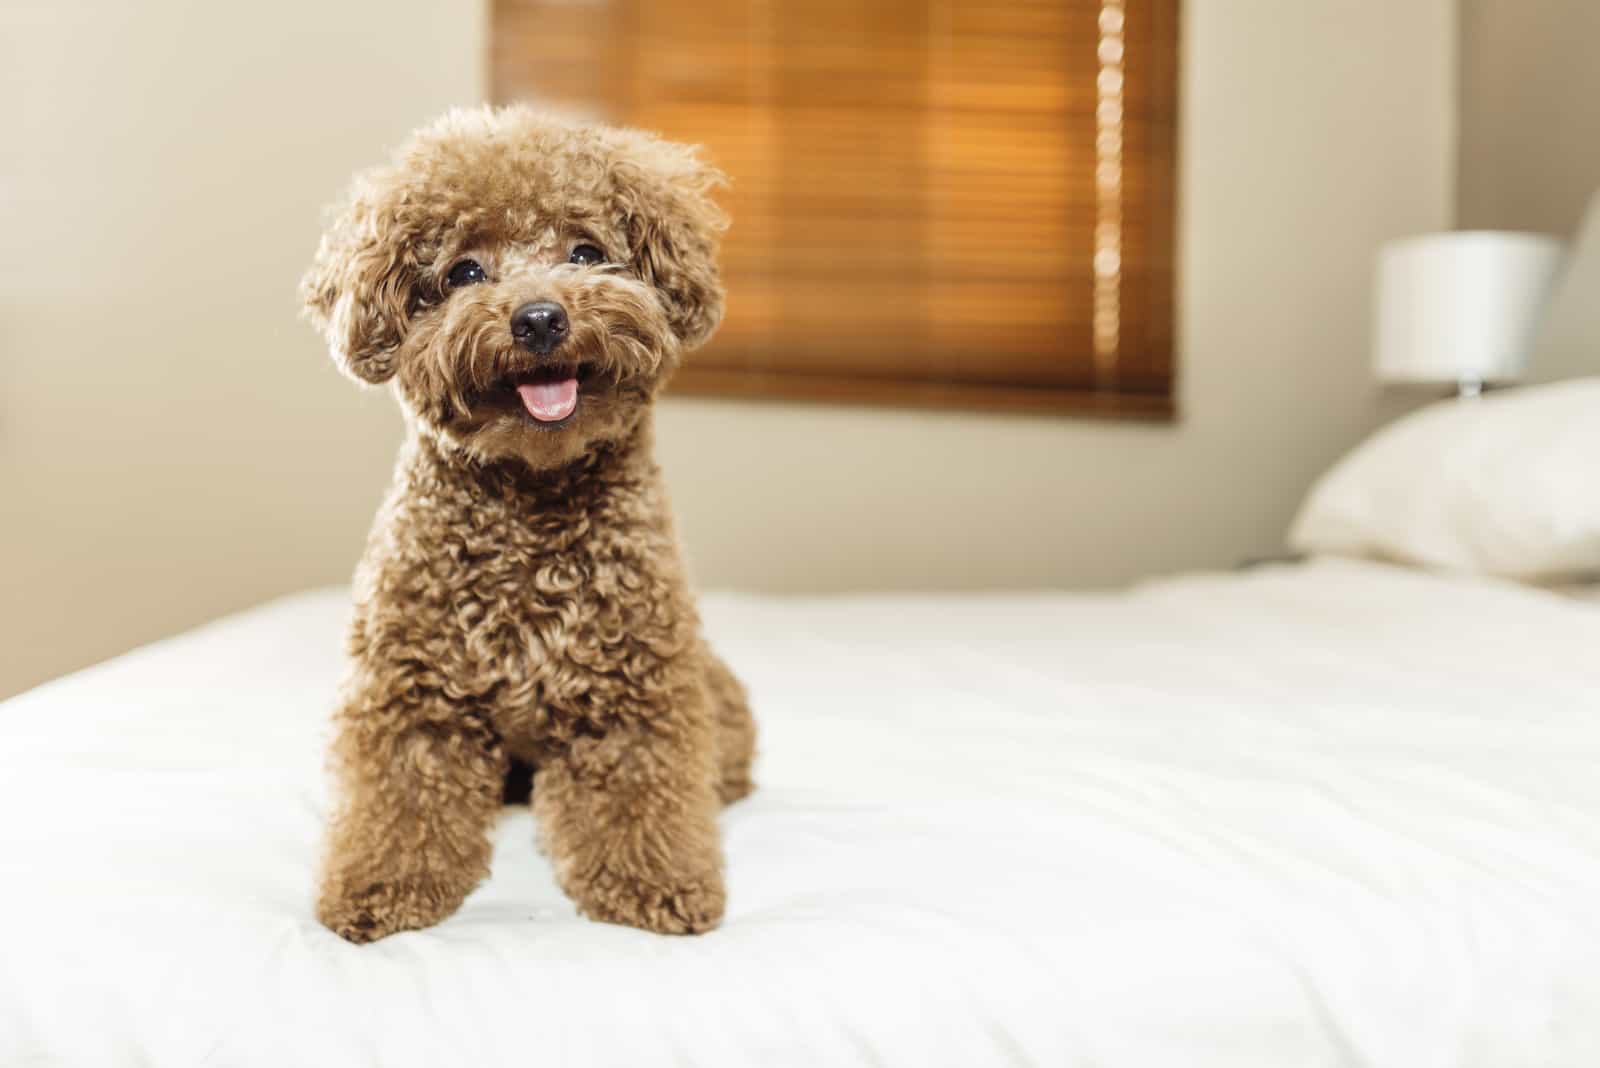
(923, 190)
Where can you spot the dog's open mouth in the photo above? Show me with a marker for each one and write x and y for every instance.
(550, 395)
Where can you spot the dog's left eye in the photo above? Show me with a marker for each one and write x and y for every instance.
(465, 273)
(587, 255)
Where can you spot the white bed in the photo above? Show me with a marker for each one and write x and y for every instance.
(1336, 813)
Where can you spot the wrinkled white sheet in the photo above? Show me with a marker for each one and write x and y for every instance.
(1329, 814)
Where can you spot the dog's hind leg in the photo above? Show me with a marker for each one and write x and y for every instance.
(736, 729)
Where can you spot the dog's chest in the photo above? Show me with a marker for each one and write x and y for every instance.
(556, 606)
(570, 622)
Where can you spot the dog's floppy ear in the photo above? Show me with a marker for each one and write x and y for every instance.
(358, 290)
(674, 229)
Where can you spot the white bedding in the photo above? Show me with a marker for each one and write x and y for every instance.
(1329, 814)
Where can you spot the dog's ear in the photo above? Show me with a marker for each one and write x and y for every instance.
(674, 229)
(358, 291)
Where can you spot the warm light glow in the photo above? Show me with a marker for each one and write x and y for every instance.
(1108, 189)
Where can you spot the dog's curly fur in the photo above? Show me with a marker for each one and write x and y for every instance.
(522, 596)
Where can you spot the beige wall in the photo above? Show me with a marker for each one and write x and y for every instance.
(1530, 113)
(173, 444)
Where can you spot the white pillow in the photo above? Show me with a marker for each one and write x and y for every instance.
(1505, 485)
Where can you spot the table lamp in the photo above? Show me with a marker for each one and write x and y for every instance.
(1461, 308)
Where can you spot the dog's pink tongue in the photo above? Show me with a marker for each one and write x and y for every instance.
(550, 402)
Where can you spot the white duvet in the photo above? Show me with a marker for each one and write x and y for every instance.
(1331, 814)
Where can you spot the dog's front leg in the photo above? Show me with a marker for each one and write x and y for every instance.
(630, 822)
(420, 778)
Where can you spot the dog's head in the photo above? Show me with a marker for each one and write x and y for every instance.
(528, 283)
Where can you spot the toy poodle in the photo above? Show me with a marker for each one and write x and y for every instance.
(527, 284)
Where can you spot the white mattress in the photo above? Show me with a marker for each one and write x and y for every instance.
(1331, 814)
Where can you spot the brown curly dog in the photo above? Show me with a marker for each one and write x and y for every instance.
(528, 284)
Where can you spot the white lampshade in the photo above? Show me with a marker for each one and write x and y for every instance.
(1461, 307)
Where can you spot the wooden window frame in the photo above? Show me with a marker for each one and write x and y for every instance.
(1124, 369)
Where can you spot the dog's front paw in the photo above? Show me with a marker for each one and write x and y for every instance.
(378, 910)
(683, 906)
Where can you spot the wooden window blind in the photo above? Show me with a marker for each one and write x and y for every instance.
(950, 202)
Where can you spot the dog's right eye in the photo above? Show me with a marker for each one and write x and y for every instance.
(465, 273)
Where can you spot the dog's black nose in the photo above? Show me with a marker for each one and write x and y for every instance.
(539, 326)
